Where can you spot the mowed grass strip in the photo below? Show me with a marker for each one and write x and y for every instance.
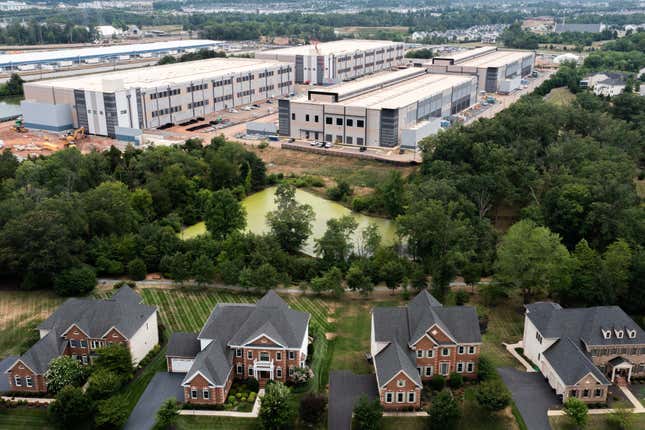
(24, 419)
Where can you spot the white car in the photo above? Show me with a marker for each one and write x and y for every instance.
(313, 143)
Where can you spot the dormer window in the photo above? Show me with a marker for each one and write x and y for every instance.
(631, 334)
(619, 333)
(606, 334)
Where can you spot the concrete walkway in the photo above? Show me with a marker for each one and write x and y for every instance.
(638, 406)
(510, 347)
(231, 414)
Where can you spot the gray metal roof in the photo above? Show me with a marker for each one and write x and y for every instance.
(183, 345)
(571, 363)
(96, 317)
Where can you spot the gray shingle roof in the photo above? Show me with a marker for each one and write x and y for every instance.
(213, 362)
(393, 359)
(96, 317)
(38, 357)
(183, 345)
(402, 326)
(571, 363)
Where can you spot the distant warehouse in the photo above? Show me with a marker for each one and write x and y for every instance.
(340, 60)
(497, 70)
(120, 104)
(388, 109)
(69, 57)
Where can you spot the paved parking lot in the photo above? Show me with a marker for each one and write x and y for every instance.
(532, 395)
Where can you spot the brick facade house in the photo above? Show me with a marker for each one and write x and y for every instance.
(581, 351)
(411, 344)
(265, 341)
(78, 328)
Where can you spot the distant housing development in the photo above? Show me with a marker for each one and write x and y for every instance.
(411, 344)
(51, 60)
(266, 341)
(78, 328)
(582, 351)
(120, 104)
(496, 70)
(387, 109)
(341, 60)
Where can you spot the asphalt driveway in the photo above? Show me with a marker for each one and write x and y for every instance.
(532, 395)
(162, 386)
(344, 390)
(4, 365)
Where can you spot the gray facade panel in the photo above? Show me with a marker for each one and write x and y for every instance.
(284, 117)
(111, 115)
(389, 130)
(320, 69)
(81, 109)
(300, 69)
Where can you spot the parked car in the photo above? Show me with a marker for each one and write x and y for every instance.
(328, 145)
(313, 143)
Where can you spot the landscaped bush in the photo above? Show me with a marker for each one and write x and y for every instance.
(313, 408)
(137, 269)
(461, 298)
(302, 375)
(437, 382)
(493, 395)
(456, 380)
(485, 369)
(75, 281)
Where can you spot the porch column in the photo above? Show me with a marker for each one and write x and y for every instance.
(629, 374)
(613, 373)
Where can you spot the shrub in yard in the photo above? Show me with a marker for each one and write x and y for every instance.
(622, 418)
(75, 281)
(302, 375)
(312, 409)
(444, 411)
(577, 411)
(115, 358)
(63, 371)
(493, 395)
(276, 411)
(437, 382)
(461, 298)
(71, 409)
(456, 380)
(167, 415)
(103, 383)
(485, 369)
(368, 414)
(137, 269)
(112, 413)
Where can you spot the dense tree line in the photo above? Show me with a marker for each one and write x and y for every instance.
(35, 32)
(515, 37)
(202, 54)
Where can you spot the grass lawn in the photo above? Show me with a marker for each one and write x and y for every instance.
(215, 423)
(24, 419)
(596, 422)
(560, 97)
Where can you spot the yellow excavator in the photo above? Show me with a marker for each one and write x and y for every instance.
(17, 126)
(73, 137)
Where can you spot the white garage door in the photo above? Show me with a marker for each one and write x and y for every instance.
(181, 365)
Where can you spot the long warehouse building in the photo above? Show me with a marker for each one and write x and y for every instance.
(69, 57)
(120, 104)
(497, 70)
(388, 109)
(340, 60)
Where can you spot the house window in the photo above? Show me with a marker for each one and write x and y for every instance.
(472, 349)
(538, 337)
(329, 120)
(315, 118)
(419, 353)
(350, 123)
(73, 343)
(389, 397)
(28, 381)
(328, 138)
(573, 393)
(597, 392)
(470, 367)
(239, 369)
(307, 117)
(460, 367)
(400, 397)
(359, 141)
(460, 350)
(428, 370)
(444, 368)
(193, 393)
(400, 383)
(360, 123)
(585, 393)
(278, 372)
(249, 354)
(238, 352)
(83, 343)
(430, 353)
(17, 381)
(250, 371)
(339, 121)
(264, 356)
(411, 397)
(445, 352)
(292, 355)
(291, 371)
(293, 116)
(278, 355)
(206, 394)
(349, 140)
(84, 359)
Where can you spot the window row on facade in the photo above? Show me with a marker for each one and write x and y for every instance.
(400, 397)
(444, 368)
(166, 111)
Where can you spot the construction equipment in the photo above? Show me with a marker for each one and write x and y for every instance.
(17, 126)
(73, 137)
(50, 146)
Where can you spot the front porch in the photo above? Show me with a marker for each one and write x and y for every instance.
(620, 370)
(263, 371)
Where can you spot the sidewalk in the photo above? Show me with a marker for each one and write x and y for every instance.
(638, 406)
(231, 414)
(510, 347)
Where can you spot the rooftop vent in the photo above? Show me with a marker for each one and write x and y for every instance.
(631, 334)
(619, 333)
(606, 333)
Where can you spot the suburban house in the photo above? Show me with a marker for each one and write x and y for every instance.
(410, 344)
(266, 341)
(607, 84)
(79, 327)
(581, 351)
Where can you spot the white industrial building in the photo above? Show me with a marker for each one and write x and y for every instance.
(387, 109)
(68, 57)
(340, 60)
(120, 104)
(497, 70)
